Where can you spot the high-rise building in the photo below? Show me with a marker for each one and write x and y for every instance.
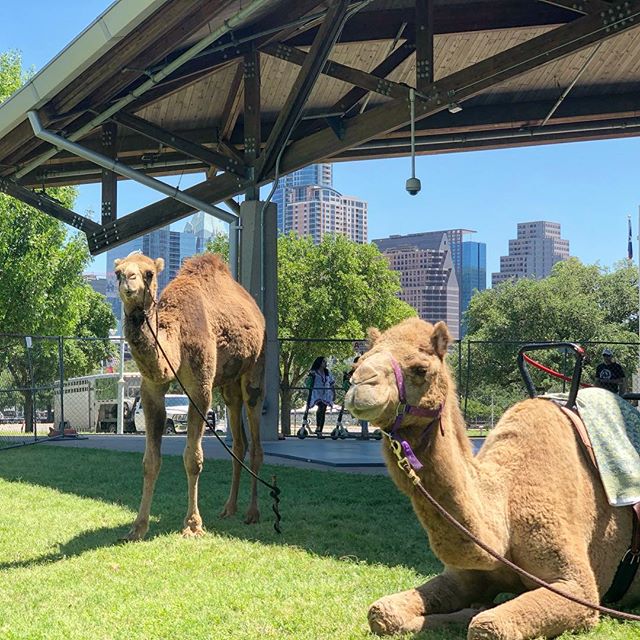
(204, 226)
(473, 276)
(470, 262)
(533, 253)
(427, 275)
(172, 246)
(309, 205)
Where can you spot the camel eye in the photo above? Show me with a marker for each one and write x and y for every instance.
(421, 372)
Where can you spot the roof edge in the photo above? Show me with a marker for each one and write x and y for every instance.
(110, 27)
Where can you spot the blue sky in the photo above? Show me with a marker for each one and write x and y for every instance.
(588, 187)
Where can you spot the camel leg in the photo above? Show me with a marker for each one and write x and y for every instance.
(443, 600)
(253, 395)
(539, 613)
(152, 397)
(193, 460)
(232, 395)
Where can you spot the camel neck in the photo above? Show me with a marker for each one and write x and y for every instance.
(144, 347)
(450, 474)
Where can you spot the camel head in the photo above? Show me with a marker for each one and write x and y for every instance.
(419, 349)
(138, 280)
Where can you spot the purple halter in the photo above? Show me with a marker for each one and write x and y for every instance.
(406, 409)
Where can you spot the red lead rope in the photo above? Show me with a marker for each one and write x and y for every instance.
(551, 372)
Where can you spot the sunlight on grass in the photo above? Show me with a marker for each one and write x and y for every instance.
(347, 540)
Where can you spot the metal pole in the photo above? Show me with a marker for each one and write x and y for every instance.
(124, 170)
(120, 415)
(61, 376)
(29, 343)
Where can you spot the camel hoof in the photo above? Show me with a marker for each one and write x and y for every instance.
(228, 511)
(136, 533)
(383, 621)
(252, 517)
(193, 532)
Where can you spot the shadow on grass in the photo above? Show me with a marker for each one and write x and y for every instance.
(329, 514)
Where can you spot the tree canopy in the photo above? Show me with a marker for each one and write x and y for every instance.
(587, 304)
(42, 292)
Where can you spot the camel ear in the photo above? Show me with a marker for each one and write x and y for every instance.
(372, 336)
(159, 262)
(116, 262)
(440, 339)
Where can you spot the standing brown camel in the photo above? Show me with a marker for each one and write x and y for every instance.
(213, 335)
(531, 494)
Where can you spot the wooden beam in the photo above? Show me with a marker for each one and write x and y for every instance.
(230, 49)
(387, 66)
(581, 6)
(305, 81)
(232, 104)
(536, 52)
(252, 118)
(109, 178)
(179, 143)
(465, 17)
(48, 205)
(357, 77)
(425, 73)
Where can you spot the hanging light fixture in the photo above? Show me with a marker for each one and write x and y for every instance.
(413, 185)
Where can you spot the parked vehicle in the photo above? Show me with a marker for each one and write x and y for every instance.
(177, 406)
(91, 402)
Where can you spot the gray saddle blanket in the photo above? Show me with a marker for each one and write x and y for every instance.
(613, 426)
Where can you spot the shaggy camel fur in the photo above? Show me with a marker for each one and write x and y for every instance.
(213, 334)
(530, 494)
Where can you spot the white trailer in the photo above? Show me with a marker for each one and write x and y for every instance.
(91, 402)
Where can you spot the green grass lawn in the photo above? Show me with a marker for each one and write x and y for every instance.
(346, 541)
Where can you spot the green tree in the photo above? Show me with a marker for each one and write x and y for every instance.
(579, 303)
(42, 292)
(219, 243)
(336, 290)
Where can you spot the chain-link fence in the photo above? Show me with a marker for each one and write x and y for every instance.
(48, 384)
(42, 391)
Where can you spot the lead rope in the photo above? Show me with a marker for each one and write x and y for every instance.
(273, 486)
(406, 467)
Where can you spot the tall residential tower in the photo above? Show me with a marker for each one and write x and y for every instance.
(310, 206)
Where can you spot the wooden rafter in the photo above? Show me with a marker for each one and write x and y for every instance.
(425, 73)
(232, 105)
(581, 6)
(311, 68)
(179, 143)
(356, 77)
(252, 136)
(50, 206)
(109, 178)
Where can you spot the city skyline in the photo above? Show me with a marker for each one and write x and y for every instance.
(490, 191)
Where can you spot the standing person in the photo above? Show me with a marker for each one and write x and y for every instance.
(321, 385)
(609, 374)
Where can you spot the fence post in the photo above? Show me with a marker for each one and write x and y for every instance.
(61, 376)
(28, 419)
(120, 414)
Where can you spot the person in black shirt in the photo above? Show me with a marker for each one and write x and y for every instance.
(609, 374)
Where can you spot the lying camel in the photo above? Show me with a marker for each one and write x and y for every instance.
(213, 335)
(531, 494)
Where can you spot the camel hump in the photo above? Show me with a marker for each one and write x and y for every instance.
(204, 264)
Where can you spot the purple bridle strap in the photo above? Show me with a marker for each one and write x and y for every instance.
(405, 409)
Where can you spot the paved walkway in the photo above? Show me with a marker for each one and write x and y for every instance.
(352, 456)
